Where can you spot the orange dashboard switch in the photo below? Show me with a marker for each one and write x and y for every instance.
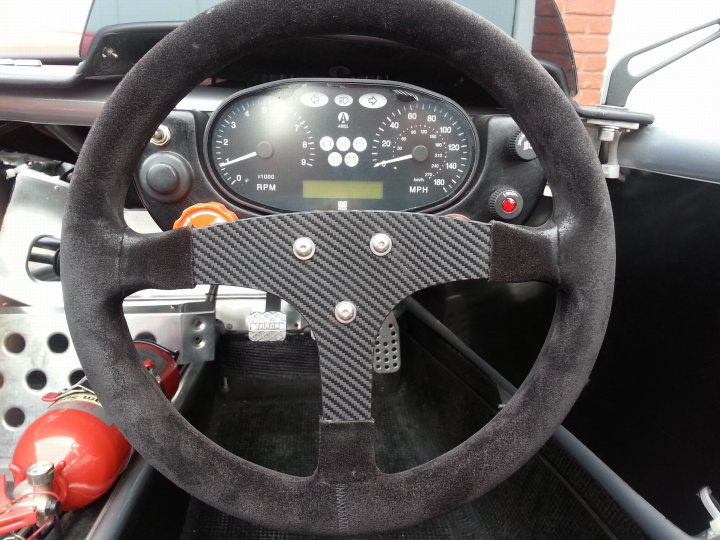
(205, 214)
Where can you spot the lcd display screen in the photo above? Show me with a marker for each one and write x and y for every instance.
(342, 189)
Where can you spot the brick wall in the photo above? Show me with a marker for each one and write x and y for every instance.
(588, 23)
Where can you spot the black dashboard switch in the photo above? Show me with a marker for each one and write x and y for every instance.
(162, 178)
(520, 148)
(166, 176)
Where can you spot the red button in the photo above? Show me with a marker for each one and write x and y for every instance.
(508, 205)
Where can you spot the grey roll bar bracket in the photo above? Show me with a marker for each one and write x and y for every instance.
(608, 135)
(622, 81)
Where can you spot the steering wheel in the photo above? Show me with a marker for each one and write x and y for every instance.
(104, 261)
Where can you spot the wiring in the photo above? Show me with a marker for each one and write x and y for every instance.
(43, 527)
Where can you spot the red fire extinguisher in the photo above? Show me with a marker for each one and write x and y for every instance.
(72, 454)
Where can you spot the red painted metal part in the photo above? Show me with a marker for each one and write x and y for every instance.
(161, 363)
(75, 434)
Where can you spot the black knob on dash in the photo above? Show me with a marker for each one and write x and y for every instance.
(520, 148)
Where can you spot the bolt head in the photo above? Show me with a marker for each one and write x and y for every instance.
(304, 248)
(345, 312)
(380, 244)
(607, 134)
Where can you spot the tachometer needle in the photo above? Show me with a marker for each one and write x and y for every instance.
(241, 158)
(393, 160)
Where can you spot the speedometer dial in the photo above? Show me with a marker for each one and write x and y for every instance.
(427, 145)
(258, 144)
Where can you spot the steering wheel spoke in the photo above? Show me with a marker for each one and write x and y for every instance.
(343, 272)
(522, 253)
(155, 261)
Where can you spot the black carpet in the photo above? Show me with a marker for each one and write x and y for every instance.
(269, 411)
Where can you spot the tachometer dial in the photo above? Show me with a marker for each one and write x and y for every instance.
(255, 143)
(428, 146)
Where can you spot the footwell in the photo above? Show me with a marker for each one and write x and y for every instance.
(269, 415)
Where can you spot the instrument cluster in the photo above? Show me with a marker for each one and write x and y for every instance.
(340, 145)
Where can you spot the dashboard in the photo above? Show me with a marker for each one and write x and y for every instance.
(340, 146)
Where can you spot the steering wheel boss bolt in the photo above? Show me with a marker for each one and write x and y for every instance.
(380, 244)
(304, 248)
(345, 312)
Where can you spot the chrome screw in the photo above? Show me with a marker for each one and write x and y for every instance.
(380, 244)
(161, 136)
(304, 248)
(345, 312)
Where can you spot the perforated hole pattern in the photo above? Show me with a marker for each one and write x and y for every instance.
(15, 410)
(387, 347)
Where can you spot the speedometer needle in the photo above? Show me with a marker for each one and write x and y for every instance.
(241, 158)
(420, 153)
(394, 160)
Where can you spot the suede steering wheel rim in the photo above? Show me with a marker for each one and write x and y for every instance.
(103, 262)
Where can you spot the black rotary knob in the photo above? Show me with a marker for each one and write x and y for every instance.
(520, 148)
